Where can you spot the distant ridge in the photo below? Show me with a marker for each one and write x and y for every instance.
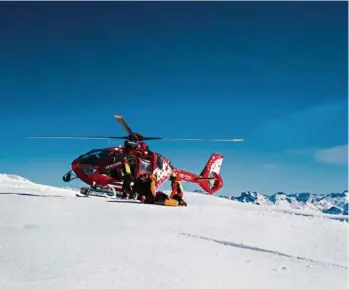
(332, 203)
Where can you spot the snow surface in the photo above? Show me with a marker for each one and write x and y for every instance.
(51, 239)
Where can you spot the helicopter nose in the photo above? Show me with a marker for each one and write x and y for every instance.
(83, 172)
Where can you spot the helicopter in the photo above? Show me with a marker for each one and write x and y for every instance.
(101, 168)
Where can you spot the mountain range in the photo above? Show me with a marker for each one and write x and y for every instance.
(332, 203)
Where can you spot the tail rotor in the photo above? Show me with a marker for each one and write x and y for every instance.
(210, 179)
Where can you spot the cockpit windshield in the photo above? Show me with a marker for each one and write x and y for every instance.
(93, 157)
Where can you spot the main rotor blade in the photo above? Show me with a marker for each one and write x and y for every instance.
(204, 139)
(81, 137)
(144, 138)
(123, 123)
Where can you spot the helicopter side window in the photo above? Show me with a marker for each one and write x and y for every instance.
(145, 167)
(116, 157)
(159, 162)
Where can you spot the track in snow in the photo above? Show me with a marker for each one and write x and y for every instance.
(253, 248)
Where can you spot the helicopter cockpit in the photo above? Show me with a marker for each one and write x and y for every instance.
(93, 157)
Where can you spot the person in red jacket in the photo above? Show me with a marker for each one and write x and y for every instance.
(177, 191)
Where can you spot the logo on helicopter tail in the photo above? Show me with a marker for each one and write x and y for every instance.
(184, 177)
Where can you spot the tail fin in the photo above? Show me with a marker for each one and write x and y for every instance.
(210, 178)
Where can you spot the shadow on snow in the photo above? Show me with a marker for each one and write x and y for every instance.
(31, 195)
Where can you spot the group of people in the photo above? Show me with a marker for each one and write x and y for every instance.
(144, 188)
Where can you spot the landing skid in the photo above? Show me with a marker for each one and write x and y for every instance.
(108, 191)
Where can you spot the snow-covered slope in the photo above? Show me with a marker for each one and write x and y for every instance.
(334, 203)
(51, 239)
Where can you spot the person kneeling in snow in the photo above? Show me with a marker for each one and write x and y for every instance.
(146, 186)
(177, 190)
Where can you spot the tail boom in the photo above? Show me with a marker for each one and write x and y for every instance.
(210, 179)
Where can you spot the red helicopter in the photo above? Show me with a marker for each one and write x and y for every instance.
(102, 167)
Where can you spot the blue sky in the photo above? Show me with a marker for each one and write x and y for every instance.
(274, 73)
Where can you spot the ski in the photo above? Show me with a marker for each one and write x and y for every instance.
(113, 199)
(92, 193)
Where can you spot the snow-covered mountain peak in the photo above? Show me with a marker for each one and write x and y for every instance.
(301, 197)
(252, 197)
(279, 197)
